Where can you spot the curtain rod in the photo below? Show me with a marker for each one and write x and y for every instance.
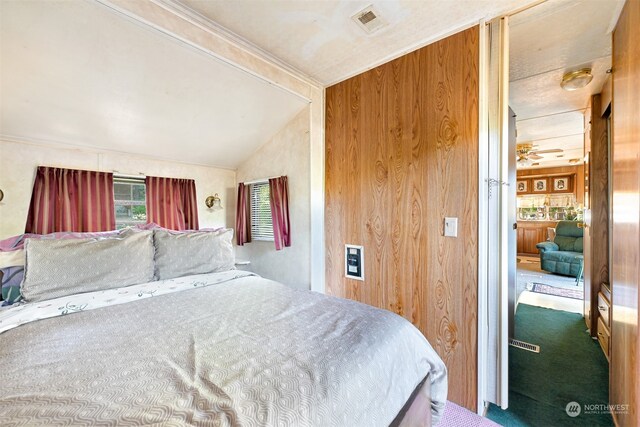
(140, 175)
(256, 181)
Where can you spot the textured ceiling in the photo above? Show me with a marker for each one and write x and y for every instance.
(545, 42)
(319, 38)
(80, 74)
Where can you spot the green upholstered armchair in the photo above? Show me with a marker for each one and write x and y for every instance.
(564, 254)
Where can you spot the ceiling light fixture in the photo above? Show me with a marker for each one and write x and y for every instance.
(578, 79)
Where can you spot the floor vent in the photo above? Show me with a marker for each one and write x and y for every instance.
(524, 345)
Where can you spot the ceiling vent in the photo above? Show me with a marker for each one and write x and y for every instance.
(369, 19)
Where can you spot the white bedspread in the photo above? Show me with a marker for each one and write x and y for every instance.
(218, 349)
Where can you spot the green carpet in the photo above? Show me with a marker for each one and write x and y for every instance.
(570, 367)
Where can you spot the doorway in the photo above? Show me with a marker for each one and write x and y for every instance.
(556, 291)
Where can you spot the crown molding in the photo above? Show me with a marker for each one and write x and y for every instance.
(213, 27)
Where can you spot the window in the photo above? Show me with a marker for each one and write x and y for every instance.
(130, 201)
(261, 222)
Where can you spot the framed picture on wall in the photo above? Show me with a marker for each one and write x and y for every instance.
(562, 184)
(522, 186)
(539, 185)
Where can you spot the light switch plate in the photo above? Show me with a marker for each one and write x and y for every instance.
(451, 227)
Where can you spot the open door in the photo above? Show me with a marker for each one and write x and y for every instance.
(497, 214)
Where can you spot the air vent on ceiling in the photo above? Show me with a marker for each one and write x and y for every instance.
(368, 19)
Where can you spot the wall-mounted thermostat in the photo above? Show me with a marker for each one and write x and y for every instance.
(354, 262)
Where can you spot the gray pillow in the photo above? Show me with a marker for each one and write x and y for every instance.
(57, 268)
(181, 254)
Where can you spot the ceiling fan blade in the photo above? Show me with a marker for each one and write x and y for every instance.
(533, 156)
(555, 150)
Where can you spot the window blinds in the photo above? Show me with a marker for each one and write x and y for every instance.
(261, 221)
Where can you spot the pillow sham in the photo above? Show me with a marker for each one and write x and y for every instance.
(56, 268)
(181, 254)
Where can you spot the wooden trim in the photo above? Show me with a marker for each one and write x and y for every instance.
(606, 96)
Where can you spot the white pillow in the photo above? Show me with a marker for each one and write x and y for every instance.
(182, 254)
(56, 268)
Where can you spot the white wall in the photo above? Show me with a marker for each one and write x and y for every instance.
(190, 28)
(18, 163)
(287, 153)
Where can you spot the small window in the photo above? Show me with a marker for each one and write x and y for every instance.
(261, 222)
(130, 201)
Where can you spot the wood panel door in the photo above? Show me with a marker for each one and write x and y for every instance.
(596, 231)
(625, 269)
(401, 154)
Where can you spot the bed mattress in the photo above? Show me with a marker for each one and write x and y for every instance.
(220, 349)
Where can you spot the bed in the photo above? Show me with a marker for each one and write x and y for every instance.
(224, 348)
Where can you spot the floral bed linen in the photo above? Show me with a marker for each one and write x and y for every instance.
(219, 349)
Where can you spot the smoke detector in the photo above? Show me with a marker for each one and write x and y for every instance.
(369, 19)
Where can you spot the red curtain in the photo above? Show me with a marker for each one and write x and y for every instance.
(243, 216)
(279, 198)
(71, 200)
(172, 203)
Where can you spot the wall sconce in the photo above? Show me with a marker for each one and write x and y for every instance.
(213, 202)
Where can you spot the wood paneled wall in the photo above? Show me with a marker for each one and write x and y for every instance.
(401, 154)
(578, 170)
(625, 268)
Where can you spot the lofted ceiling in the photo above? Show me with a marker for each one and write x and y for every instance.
(319, 37)
(77, 73)
(545, 42)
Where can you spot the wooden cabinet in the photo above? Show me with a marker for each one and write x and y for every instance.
(561, 184)
(545, 181)
(530, 233)
(540, 185)
(523, 186)
(604, 337)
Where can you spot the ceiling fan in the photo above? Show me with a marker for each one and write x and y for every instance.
(526, 154)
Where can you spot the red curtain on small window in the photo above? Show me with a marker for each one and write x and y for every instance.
(172, 203)
(279, 199)
(243, 216)
(71, 200)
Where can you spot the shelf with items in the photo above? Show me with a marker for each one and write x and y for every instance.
(548, 207)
